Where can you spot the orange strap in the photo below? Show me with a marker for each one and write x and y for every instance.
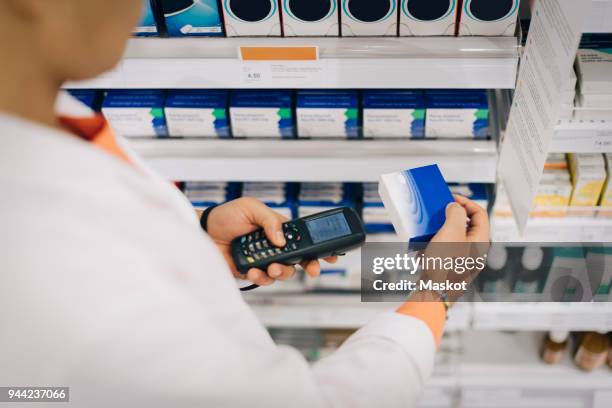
(433, 314)
(96, 130)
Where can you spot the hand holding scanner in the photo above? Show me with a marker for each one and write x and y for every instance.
(316, 236)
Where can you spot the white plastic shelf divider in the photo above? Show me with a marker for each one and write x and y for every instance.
(575, 229)
(464, 62)
(576, 136)
(542, 316)
(332, 311)
(467, 161)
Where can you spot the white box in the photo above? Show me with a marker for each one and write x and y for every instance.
(311, 18)
(427, 17)
(255, 18)
(489, 17)
(594, 70)
(369, 18)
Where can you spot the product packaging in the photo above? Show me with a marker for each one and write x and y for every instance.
(592, 351)
(416, 202)
(91, 97)
(333, 113)
(588, 177)
(197, 113)
(317, 197)
(605, 203)
(310, 18)
(374, 214)
(389, 113)
(281, 197)
(493, 280)
(489, 18)
(594, 70)
(567, 278)
(252, 18)
(206, 194)
(372, 18)
(134, 113)
(262, 113)
(553, 194)
(555, 345)
(531, 273)
(457, 114)
(147, 26)
(428, 18)
(192, 18)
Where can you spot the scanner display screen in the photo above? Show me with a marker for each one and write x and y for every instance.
(329, 227)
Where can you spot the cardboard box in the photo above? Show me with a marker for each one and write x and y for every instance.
(198, 18)
(328, 114)
(588, 178)
(311, 18)
(388, 113)
(553, 194)
(457, 114)
(374, 18)
(489, 18)
(416, 202)
(147, 26)
(133, 113)
(253, 18)
(594, 70)
(197, 113)
(427, 17)
(262, 113)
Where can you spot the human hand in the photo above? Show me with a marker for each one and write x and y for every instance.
(244, 215)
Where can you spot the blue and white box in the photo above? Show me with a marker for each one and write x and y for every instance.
(310, 18)
(90, 97)
(197, 113)
(147, 26)
(134, 113)
(416, 202)
(429, 18)
(262, 113)
(372, 18)
(192, 18)
(206, 194)
(317, 197)
(393, 113)
(332, 113)
(457, 114)
(489, 18)
(252, 18)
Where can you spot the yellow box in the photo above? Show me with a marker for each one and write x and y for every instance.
(588, 178)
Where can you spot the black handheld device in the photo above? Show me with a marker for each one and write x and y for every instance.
(316, 236)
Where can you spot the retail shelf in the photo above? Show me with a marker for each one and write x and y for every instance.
(315, 160)
(331, 311)
(463, 62)
(542, 316)
(574, 229)
(600, 17)
(583, 136)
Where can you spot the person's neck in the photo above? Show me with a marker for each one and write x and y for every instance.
(28, 90)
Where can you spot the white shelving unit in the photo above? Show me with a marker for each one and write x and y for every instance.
(464, 62)
(578, 136)
(599, 20)
(573, 229)
(467, 161)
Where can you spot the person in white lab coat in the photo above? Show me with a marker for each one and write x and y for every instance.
(109, 285)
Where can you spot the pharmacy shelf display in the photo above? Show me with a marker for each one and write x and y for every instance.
(582, 136)
(554, 229)
(461, 161)
(410, 62)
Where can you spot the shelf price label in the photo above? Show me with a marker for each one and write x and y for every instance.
(282, 67)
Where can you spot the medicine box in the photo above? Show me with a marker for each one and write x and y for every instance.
(133, 113)
(200, 18)
(90, 97)
(594, 70)
(489, 18)
(374, 215)
(262, 113)
(416, 202)
(373, 18)
(457, 113)
(317, 197)
(147, 26)
(328, 114)
(281, 197)
(588, 177)
(553, 194)
(428, 18)
(253, 18)
(388, 113)
(197, 113)
(310, 18)
(207, 194)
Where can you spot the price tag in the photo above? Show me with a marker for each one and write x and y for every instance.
(282, 67)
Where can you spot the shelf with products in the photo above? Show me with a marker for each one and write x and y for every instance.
(408, 62)
(553, 229)
(583, 136)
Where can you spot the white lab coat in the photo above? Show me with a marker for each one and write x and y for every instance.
(108, 286)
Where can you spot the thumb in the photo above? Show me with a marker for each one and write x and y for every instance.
(454, 228)
(270, 221)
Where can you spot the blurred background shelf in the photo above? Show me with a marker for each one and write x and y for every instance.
(576, 136)
(467, 161)
(571, 229)
(436, 62)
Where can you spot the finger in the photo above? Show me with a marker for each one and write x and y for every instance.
(454, 228)
(269, 220)
(331, 259)
(259, 277)
(281, 272)
(312, 268)
(479, 229)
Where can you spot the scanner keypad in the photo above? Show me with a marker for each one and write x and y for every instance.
(256, 247)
